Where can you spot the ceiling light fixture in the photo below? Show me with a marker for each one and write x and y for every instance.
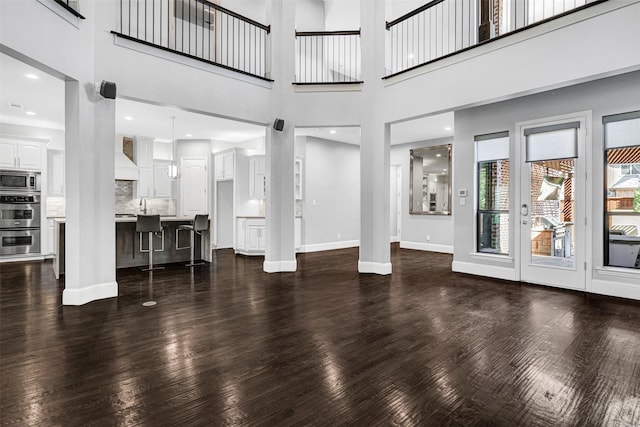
(172, 169)
(332, 131)
(447, 128)
(30, 113)
(438, 155)
(411, 56)
(128, 118)
(32, 76)
(188, 135)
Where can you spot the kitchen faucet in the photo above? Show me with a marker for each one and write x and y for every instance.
(143, 202)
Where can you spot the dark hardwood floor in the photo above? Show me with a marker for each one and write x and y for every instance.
(227, 344)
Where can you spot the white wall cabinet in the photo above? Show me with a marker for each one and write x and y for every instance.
(193, 186)
(20, 154)
(223, 165)
(55, 173)
(162, 183)
(297, 178)
(257, 177)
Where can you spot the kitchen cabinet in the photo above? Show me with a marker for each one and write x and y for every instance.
(257, 177)
(162, 183)
(49, 248)
(297, 178)
(194, 181)
(143, 152)
(144, 185)
(16, 154)
(250, 236)
(223, 165)
(55, 173)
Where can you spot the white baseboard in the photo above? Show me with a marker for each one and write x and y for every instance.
(484, 270)
(615, 289)
(21, 258)
(374, 267)
(430, 247)
(317, 247)
(280, 266)
(395, 239)
(89, 293)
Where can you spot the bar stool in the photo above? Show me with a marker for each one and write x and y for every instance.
(150, 224)
(200, 223)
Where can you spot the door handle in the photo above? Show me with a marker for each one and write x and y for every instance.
(524, 210)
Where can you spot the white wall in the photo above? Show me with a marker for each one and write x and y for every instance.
(416, 228)
(309, 15)
(331, 192)
(342, 14)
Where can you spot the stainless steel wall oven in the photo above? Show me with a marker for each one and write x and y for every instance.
(19, 223)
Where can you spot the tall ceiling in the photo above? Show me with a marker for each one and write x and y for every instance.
(33, 98)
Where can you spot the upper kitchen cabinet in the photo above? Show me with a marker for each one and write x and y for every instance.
(224, 166)
(143, 157)
(257, 177)
(55, 172)
(17, 154)
(162, 183)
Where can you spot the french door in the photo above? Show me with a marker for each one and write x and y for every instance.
(552, 209)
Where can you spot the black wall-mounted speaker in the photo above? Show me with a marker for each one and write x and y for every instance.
(108, 89)
(278, 124)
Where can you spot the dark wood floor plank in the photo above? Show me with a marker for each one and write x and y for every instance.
(228, 344)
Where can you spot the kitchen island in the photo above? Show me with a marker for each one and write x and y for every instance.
(128, 243)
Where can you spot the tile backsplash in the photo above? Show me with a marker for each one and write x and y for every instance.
(126, 204)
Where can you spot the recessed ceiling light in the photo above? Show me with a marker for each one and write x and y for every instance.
(30, 113)
(32, 76)
(444, 170)
(188, 135)
(128, 118)
(447, 128)
(332, 131)
(438, 155)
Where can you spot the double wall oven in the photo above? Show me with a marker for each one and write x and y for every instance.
(19, 213)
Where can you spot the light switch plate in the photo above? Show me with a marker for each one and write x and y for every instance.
(462, 192)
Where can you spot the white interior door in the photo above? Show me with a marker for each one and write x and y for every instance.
(193, 186)
(552, 204)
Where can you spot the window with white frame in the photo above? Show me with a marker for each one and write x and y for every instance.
(622, 187)
(492, 156)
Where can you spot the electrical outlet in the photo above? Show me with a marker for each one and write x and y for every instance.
(428, 237)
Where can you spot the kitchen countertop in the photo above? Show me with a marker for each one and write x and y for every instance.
(168, 218)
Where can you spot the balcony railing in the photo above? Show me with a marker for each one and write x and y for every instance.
(443, 27)
(328, 57)
(200, 30)
(71, 6)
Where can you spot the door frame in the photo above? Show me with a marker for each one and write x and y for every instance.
(585, 152)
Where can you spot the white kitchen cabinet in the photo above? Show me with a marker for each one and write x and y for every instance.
(143, 152)
(193, 186)
(144, 185)
(223, 165)
(55, 173)
(297, 178)
(16, 154)
(257, 177)
(250, 236)
(162, 183)
(49, 249)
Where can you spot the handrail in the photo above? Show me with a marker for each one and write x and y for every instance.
(327, 33)
(413, 13)
(69, 8)
(267, 28)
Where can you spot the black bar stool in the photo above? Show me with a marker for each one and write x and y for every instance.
(200, 223)
(150, 224)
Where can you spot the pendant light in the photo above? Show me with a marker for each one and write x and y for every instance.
(172, 169)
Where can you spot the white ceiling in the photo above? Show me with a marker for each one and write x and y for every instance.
(45, 97)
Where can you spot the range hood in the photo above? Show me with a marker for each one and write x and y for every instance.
(125, 169)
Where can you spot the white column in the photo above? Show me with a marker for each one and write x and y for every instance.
(90, 224)
(280, 155)
(375, 253)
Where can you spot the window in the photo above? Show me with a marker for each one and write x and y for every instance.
(492, 154)
(622, 190)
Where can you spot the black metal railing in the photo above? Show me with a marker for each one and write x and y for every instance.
(443, 27)
(328, 57)
(200, 30)
(71, 6)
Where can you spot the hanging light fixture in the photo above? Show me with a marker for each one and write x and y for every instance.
(172, 169)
